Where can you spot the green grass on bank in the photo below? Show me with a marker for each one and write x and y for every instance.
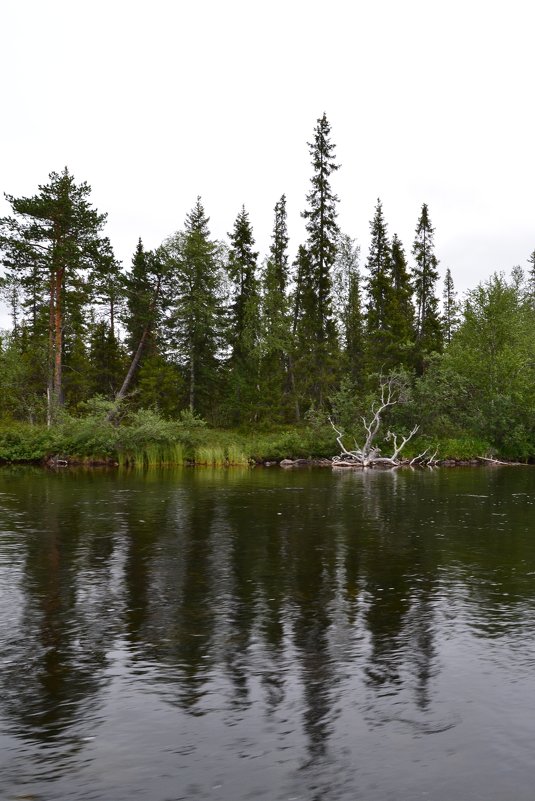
(144, 438)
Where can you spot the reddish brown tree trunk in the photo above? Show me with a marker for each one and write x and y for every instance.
(58, 339)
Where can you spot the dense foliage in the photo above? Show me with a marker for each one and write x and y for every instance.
(105, 360)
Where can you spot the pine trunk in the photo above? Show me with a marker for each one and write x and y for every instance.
(50, 376)
(58, 340)
(192, 381)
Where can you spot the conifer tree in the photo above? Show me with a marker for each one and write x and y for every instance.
(140, 284)
(531, 277)
(450, 308)
(402, 313)
(425, 276)
(195, 315)
(276, 332)
(347, 306)
(105, 352)
(322, 230)
(380, 291)
(143, 312)
(107, 286)
(49, 243)
(302, 330)
(243, 332)
(106, 359)
(242, 267)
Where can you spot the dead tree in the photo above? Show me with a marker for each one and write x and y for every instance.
(393, 391)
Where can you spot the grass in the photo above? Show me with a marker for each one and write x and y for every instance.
(152, 455)
(145, 439)
(210, 455)
(460, 448)
(236, 456)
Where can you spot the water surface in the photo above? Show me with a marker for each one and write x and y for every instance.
(265, 634)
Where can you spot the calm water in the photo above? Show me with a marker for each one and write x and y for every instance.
(264, 634)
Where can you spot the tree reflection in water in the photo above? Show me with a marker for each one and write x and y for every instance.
(303, 604)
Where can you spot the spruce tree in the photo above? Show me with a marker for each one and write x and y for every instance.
(402, 313)
(106, 359)
(143, 312)
(322, 230)
(194, 320)
(380, 291)
(276, 331)
(425, 276)
(139, 286)
(450, 308)
(243, 331)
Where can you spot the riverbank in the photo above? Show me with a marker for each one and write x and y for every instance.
(144, 438)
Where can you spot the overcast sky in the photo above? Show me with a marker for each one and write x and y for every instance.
(156, 102)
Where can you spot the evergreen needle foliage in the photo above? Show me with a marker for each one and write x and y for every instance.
(200, 351)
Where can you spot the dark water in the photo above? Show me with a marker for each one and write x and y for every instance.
(267, 635)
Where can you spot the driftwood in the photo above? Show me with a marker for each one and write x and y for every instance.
(497, 461)
(369, 455)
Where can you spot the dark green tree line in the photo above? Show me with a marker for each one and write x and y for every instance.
(207, 327)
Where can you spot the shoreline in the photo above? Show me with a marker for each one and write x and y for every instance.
(284, 464)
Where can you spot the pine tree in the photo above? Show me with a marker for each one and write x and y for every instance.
(276, 332)
(450, 308)
(380, 291)
(322, 230)
(195, 314)
(425, 276)
(49, 243)
(243, 331)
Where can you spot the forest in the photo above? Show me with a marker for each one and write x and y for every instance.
(202, 350)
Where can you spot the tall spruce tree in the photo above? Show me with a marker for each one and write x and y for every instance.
(243, 331)
(140, 284)
(195, 313)
(48, 245)
(380, 291)
(450, 308)
(276, 325)
(143, 312)
(425, 277)
(322, 230)
(402, 314)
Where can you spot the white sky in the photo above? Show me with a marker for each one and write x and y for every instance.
(155, 102)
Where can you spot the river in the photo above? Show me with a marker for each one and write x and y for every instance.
(294, 635)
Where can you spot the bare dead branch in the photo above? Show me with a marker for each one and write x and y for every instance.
(391, 390)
